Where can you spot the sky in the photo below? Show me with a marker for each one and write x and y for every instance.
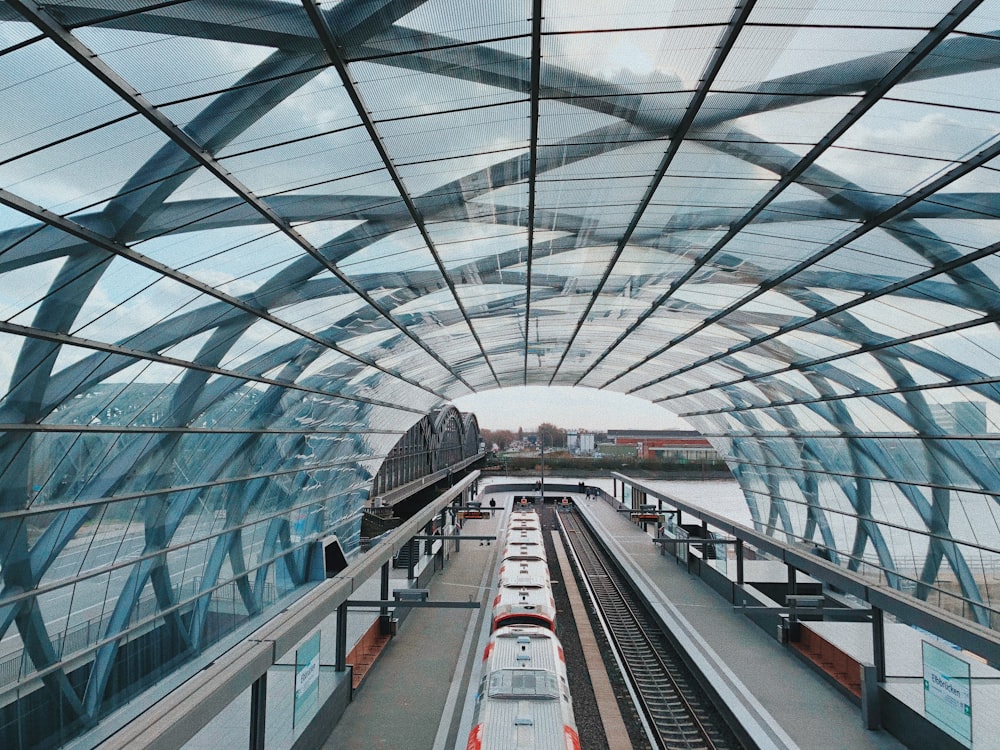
(588, 408)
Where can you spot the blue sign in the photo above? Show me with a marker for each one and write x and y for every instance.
(306, 679)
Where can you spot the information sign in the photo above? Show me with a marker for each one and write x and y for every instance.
(306, 678)
(948, 692)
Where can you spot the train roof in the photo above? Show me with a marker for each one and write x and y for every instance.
(523, 552)
(525, 536)
(526, 647)
(516, 577)
(524, 516)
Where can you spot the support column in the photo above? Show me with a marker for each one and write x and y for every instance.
(383, 613)
(871, 711)
(878, 644)
(739, 563)
(541, 493)
(258, 712)
(793, 620)
(444, 532)
(341, 663)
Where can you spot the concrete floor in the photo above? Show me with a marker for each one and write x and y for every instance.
(417, 692)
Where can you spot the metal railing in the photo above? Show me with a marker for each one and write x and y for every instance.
(951, 626)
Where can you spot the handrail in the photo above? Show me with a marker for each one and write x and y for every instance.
(969, 635)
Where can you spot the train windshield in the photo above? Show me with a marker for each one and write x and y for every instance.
(523, 683)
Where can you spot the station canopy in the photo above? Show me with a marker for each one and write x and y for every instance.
(245, 245)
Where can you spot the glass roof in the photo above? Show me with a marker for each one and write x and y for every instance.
(773, 218)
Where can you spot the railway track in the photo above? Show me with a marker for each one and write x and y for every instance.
(677, 711)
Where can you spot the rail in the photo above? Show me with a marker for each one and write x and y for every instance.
(677, 712)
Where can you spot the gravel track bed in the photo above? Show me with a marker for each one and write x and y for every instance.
(588, 718)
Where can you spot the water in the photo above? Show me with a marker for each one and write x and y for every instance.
(721, 496)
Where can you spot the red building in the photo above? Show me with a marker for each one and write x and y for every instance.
(670, 444)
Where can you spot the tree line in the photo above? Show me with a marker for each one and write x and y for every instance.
(550, 435)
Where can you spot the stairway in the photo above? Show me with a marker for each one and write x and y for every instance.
(402, 558)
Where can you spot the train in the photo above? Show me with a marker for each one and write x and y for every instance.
(523, 699)
(524, 592)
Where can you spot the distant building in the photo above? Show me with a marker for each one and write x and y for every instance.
(580, 441)
(688, 445)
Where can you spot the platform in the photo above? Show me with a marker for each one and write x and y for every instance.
(780, 700)
(904, 670)
(415, 695)
(421, 693)
(231, 727)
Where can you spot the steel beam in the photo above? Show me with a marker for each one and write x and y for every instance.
(873, 96)
(330, 44)
(740, 15)
(404, 603)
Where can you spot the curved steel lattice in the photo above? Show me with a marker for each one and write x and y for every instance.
(245, 246)
(441, 439)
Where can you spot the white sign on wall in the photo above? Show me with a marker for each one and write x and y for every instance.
(948, 692)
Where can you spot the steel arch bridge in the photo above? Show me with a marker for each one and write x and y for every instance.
(442, 439)
(244, 247)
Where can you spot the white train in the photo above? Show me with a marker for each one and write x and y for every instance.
(524, 535)
(524, 573)
(523, 700)
(523, 539)
(524, 594)
(530, 604)
(523, 519)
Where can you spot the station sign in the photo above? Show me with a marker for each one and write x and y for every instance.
(948, 692)
(306, 679)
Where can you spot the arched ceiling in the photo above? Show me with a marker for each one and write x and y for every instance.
(668, 200)
(271, 235)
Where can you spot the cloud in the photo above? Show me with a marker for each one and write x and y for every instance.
(566, 407)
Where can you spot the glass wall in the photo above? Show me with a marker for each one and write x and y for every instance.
(245, 246)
